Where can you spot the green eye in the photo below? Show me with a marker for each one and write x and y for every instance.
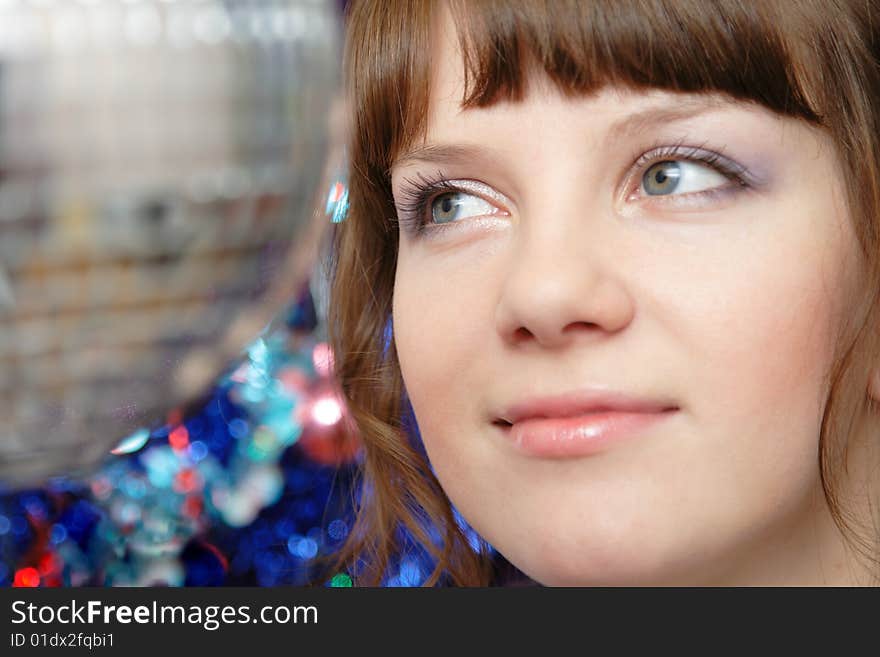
(662, 178)
(677, 177)
(453, 206)
(445, 207)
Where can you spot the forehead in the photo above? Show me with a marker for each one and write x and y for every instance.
(446, 115)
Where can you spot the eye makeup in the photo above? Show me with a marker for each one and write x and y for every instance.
(417, 195)
(738, 176)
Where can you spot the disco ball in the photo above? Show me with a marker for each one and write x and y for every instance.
(158, 162)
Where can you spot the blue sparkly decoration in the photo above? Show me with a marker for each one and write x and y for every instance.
(212, 500)
(303, 316)
(337, 200)
(387, 337)
(230, 496)
(133, 443)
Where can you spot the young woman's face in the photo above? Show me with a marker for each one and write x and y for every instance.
(682, 251)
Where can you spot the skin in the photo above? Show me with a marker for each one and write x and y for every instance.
(564, 274)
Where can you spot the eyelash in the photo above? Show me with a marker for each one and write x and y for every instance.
(731, 170)
(417, 195)
(416, 198)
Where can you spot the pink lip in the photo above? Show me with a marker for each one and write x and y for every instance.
(578, 424)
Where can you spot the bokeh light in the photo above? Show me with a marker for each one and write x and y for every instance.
(327, 410)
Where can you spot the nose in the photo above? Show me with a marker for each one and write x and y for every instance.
(563, 287)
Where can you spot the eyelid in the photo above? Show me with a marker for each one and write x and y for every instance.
(738, 174)
(699, 154)
(414, 199)
(480, 189)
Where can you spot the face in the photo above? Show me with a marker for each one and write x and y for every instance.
(682, 253)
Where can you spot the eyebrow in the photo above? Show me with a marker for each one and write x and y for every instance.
(441, 154)
(649, 118)
(633, 123)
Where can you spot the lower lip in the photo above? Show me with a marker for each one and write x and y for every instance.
(578, 436)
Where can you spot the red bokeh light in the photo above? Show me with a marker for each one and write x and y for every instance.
(179, 438)
(26, 578)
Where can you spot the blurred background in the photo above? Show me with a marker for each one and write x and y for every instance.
(170, 174)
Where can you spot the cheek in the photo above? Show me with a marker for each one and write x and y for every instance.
(762, 391)
(768, 307)
(755, 337)
(764, 336)
(441, 316)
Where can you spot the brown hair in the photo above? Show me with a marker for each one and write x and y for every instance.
(813, 60)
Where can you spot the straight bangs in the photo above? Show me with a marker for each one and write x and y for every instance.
(730, 47)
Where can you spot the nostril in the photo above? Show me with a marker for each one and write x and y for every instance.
(581, 325)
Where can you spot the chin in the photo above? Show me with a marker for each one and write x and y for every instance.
(584, 563)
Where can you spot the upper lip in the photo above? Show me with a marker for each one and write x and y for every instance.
(578, 403)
